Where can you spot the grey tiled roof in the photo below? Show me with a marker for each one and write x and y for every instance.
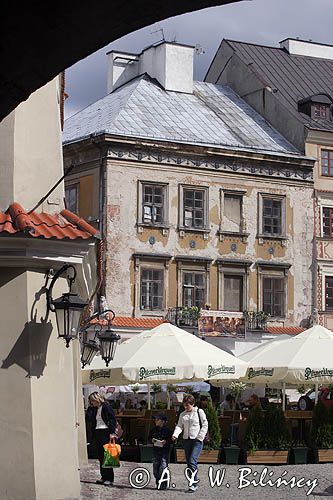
(295, 77)
(212, 115)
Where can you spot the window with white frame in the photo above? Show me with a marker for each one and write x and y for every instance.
(152, 289)
(193, 289)
(327, 221)
(272, 210)
(328, 293)
(152, 204)
(72, 197)
(193, 208)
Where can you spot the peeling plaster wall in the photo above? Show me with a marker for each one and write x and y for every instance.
(123, 238)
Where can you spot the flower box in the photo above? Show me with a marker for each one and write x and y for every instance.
(274, 457)
(206, 456)
(324, 455)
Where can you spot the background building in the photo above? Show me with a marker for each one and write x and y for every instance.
(201, 201)
(292, 88)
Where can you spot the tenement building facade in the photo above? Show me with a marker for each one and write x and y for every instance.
(201, 202)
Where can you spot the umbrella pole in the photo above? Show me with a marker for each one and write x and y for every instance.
(316, 393)
(284, 396)
(148, 396)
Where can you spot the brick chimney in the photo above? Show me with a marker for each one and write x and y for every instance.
(171, 64)
(307, 48)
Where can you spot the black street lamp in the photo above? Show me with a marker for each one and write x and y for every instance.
(107, 339)
(68, 307)
(88, 351)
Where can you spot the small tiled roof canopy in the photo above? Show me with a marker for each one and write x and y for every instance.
(66, 225)
(126, 322)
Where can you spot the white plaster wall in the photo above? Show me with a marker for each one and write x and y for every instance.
(16, 437)
(302, 48)
(31, 151)
(179, 68)
(123, 241)
(53, 410)
(39, 459)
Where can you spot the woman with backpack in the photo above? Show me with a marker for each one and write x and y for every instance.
(194, 426)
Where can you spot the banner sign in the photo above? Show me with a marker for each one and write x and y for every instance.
(309, 373)
(260, 372)
(94, 374)
(145, 373)
(221, 323)
(212, 371)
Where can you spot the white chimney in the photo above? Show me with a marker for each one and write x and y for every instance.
(169, 63)
(306, 48)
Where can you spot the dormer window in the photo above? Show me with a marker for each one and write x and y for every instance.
(320, 111)
(318, 106)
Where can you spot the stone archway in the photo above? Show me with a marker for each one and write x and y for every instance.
(39, 40)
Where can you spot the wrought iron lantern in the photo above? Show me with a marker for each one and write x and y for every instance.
(107, 339)
(68, 307)
(88, 351)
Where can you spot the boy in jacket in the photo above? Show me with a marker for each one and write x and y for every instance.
(160, 436)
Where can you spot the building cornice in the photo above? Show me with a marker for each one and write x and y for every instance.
(252, 165)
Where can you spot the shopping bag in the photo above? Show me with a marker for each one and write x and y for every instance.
(111, 454)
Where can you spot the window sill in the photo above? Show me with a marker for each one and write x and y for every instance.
(325, 238)
(204, 231)
(142, 225)
(160, 313)
(269, 237)
(222, 234)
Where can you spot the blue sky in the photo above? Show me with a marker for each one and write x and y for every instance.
(258, 21)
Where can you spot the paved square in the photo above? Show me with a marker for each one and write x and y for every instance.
(234, 476)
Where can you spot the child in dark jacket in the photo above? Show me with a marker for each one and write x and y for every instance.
(160, 436)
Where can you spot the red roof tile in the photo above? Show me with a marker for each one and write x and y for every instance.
(66, 225)
(290, 330)
(124, 322)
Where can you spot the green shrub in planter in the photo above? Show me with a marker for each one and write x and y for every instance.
(214, 433)
(322, 427)
(254, 427)
(276, 434)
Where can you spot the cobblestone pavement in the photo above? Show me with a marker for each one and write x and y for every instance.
(234, 477)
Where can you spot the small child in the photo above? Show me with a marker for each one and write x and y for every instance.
(160, 436)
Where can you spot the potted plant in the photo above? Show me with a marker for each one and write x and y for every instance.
(322, 432)
(267, 436)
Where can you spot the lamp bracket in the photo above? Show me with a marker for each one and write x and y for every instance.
(61, 271)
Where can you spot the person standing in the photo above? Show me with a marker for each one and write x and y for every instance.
(160, 436)
(194, 426)
(101, 421)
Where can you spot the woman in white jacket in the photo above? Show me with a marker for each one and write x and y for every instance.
(194, 426)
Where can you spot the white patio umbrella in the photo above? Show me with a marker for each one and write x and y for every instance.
(303, 359)
(168, 354)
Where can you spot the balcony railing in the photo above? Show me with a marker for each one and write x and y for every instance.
(255, 320)
(183, 316)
